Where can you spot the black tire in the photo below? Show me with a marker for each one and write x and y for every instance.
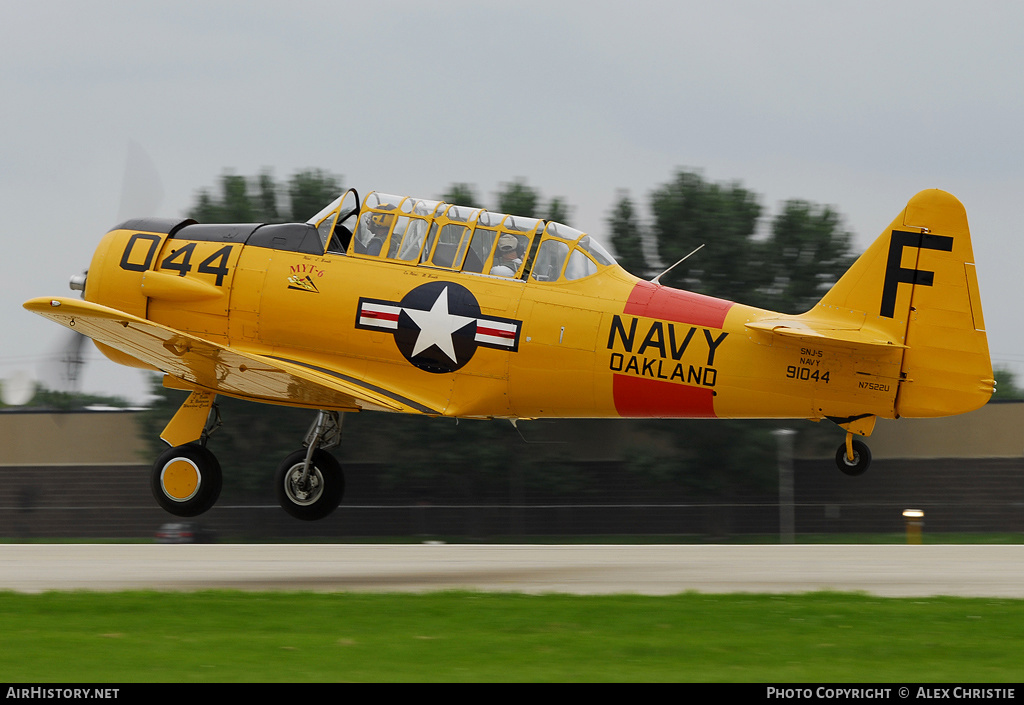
(186, 480)
(327, 485)
(861, 459)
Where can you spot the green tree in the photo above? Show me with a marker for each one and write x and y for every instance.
(806, 254)
(693, 453)
(65, 401)
(626, 236)
(516, 198)
(446, 460)
(690, 212)
(807, 250)
(232, 205)
(310, 190)
(205, 210)
(266, 199)
(703, 459)
(558, 211)
(462, 194)
(1006, 385)
(256, 200)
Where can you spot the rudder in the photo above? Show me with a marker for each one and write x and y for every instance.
(946, 367)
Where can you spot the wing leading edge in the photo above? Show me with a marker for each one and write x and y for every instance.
(221, 369)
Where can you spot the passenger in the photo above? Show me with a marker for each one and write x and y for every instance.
(507, 258)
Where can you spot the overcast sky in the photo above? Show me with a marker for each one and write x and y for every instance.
(855, 104)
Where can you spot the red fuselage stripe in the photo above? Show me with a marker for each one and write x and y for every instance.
(668, 304)
(637, 397)
(643, 397)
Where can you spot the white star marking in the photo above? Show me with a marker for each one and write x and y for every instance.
(437, 326)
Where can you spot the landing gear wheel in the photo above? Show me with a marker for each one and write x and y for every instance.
(861, 459)
(186, 480)
(319, 495)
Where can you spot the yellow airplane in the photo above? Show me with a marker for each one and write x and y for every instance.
(409, 305)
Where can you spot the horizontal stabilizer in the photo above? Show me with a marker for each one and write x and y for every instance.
(823, 334)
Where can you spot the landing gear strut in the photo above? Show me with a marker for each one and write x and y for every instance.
(186, 480)
(310, 482)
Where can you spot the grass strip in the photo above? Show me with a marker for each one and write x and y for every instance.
(224, 636)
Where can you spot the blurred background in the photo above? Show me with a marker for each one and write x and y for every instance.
(85, 474)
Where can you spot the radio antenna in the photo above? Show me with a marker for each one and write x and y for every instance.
(657, 279)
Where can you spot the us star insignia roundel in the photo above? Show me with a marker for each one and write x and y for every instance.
(438, 326)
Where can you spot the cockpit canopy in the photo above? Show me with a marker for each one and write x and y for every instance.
(442, 235)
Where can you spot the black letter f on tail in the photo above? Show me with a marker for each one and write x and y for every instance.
(896, 274)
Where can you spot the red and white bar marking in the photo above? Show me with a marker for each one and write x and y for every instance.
(496, 333)
(383, 316)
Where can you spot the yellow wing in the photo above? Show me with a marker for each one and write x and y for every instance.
(221, 369)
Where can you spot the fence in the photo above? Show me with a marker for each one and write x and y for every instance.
(114, 501)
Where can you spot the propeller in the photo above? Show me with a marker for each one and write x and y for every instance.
(141, 189)
(141, 194)
(60, 371)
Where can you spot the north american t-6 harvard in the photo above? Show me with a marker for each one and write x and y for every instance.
(417, 306)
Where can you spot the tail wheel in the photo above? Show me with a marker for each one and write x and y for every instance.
(186, 480)
(320, 493)
(861, 459)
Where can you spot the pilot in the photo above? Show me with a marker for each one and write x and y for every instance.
(379, 225)
(507, 258)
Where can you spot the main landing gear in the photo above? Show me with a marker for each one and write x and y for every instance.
(186, 479)
(309, 482)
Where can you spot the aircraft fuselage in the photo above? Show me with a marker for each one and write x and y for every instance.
(476, 345)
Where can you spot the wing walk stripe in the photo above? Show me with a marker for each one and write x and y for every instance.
(354, 380)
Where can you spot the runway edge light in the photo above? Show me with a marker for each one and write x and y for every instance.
(915, 521)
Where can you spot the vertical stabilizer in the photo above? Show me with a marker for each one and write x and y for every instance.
(916, 285)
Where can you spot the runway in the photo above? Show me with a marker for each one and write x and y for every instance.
(892, 571)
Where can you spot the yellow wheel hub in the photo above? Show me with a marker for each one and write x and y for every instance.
(180, 479)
